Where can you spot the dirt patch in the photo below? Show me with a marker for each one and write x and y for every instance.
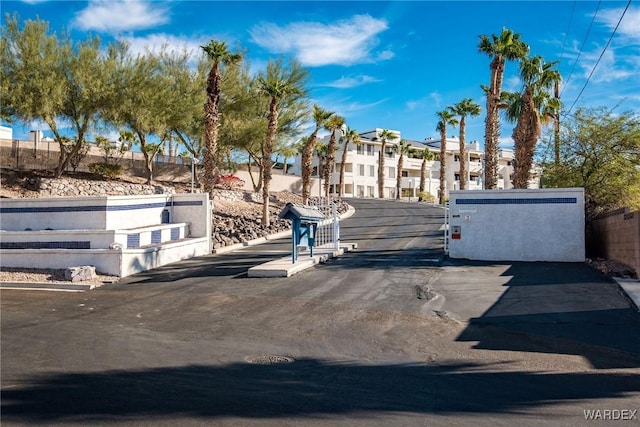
(612, 268)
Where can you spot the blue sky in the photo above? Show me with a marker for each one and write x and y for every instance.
(384, 64)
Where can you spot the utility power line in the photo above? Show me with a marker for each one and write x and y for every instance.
(601, 55)
(584, 41)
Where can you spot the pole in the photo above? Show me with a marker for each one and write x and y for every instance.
(192, 173)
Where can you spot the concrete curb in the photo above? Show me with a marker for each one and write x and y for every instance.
(280, 235)
(284, 267)
(43, 286)
(631, 288)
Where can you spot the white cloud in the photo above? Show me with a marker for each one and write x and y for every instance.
(112, 16)
(506, 142)
(609, 68)
(344, 42)
(629, 27)
(168, 42)
(351, 81)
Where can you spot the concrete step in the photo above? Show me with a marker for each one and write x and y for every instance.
(284, 267)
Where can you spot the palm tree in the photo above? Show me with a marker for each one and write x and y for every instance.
(526, 109)
(334, 124)
(320, 116)
(321, 152)
(462, 109)
(446, 118)
(351, 136)
(384, 137)
(426, 156)
(402, 148)
(288, 151)
(553, 110)
(218, 53)
(507, 46)
(278, 83)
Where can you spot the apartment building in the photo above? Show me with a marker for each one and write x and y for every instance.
(361, 167)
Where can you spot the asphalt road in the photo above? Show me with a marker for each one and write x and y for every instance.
(390, 334)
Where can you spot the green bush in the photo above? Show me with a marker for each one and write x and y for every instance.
(426, 197)
(106, 170)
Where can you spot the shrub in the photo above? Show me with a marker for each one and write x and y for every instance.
(426, 197)
(228, 182)
(106, 170)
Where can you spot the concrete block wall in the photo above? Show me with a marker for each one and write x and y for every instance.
(618, 237)
(518, 225)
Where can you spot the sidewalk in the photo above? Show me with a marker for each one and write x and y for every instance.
(631, 287)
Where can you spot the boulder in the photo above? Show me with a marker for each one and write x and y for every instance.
(80, 273)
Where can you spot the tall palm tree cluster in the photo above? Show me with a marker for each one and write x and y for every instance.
(528, 108)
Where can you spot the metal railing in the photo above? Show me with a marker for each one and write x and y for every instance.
(328, 232)
(446, 228)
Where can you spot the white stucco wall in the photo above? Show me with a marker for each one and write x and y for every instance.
(518, 225)
(102, 221)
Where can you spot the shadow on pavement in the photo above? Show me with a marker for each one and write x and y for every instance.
(561, 308)
(308, 387)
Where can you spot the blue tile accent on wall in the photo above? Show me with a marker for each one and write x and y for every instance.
(186, 203)
(156, 236)
(175, 233)
(530, 201)
(46, 245)
(133, 240)
(58, 209)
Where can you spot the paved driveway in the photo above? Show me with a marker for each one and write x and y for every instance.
(385, 335)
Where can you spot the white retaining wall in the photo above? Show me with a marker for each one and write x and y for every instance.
(119, 235)
(517, 225)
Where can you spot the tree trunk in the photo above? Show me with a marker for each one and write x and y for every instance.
(211, 123)
(267, 151)
(492, 125)
(525, 137)
(342, 166)
(556, 138)
(423, 178)
(399, 177)
(330, 162)
(381, 170)
(307, 165)
(463, 155)
(148, 162)
(443, 165)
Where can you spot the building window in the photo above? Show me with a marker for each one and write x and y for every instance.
(361, 149)
(370, 149)
(405, 174)
(391, 172)
(370, 191)
(372, 170)
(360, 189)
(361, 170)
